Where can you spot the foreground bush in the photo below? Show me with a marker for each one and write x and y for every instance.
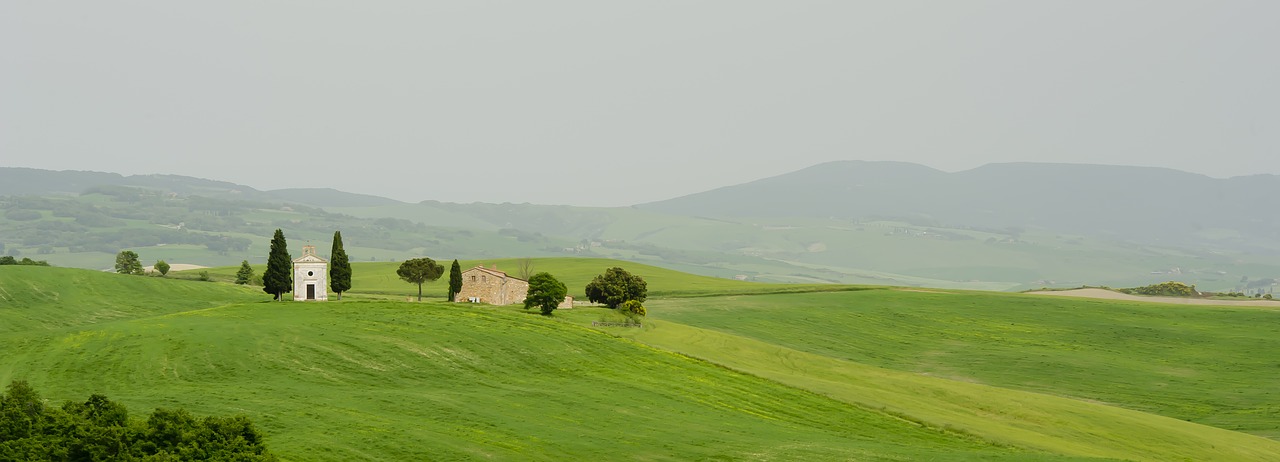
(99, 429)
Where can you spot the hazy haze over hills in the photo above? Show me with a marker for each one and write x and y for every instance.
(1147, 204)
(608, 103)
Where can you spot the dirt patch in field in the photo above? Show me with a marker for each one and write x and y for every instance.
(926, 291)
(176, 267)
(1112, 295)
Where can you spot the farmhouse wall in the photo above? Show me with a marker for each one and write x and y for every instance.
(492, 287)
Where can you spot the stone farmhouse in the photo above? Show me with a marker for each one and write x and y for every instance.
(310, 276)
(488, 285)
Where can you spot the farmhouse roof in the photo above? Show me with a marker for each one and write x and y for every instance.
(493, 271)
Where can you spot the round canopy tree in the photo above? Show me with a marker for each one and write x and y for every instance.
(616, 286)
(418, 271)
(545, 292)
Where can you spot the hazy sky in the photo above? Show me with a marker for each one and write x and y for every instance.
(615, 103)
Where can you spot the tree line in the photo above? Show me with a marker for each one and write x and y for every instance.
(101, 429)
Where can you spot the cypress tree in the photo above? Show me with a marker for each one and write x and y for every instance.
(455, 280)
(278, 278)
(339, 267)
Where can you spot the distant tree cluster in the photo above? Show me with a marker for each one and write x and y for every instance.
(10, 260)
(100, 430)
(1171, 289)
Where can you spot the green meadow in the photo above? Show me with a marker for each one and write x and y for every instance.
(1203, 364)
(721, 370)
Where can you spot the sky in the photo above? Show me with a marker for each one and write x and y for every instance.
(616, 103)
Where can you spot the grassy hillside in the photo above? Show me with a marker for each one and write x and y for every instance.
(855, 375)
(1006, 416)
(400, 381)
(1202, 364)
(45, 298)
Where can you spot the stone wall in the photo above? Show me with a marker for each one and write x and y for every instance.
(491, 287)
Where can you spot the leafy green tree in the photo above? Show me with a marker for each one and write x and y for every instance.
(245, 274)
(545, 292)
(455, 280)
(8, 260)
(127, 262)
(616, 286)
(162, 267)
(278, 278)
(418, 271)
(339, 267)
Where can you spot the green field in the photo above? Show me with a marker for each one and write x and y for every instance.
(1196, 363)
(722, 369)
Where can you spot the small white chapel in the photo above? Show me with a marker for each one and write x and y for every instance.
(310, 276)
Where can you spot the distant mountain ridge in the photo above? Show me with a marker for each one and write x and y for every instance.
(1129, 202)
(30, 181)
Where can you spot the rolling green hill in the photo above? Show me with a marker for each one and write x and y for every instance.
(45, 298)
(872, 374)
(398, 381)
(1194, 363)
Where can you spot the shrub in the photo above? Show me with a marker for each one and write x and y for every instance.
(1171, 288)
(632, 308)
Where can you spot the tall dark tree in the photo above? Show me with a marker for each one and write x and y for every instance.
(616, 286)
(455, 280)
(339, 267)
(418, 271)
(278, 278)
(545, 292)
